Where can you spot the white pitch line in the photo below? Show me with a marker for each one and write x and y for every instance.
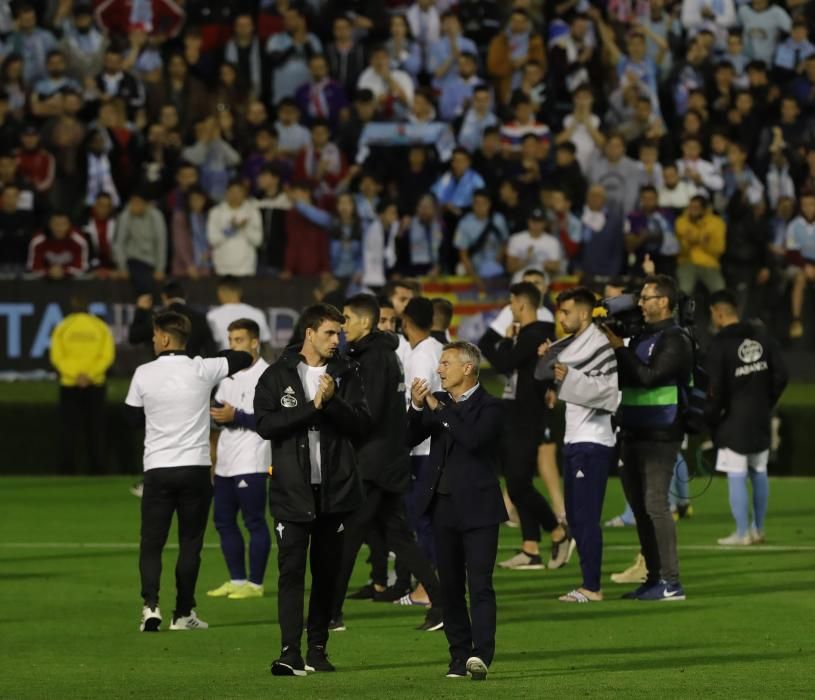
(613, 547)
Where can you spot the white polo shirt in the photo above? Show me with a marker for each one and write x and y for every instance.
(240, 450)
(422, 362)
(221, 316)
(174, 392)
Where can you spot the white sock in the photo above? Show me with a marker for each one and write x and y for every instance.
(257, 586)
(238, 582)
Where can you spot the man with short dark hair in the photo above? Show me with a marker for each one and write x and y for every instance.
(170, 397)
(384, 460)
(654, 368)
(525, 427)
(242, 459)
(585, 378)
(463, 499)
(747, 377)
(442, 318)
(230, 297)
(311, 404)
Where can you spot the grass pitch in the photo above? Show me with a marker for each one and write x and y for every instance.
(70, 607)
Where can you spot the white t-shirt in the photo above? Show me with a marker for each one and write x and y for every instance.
(371, 80)
(545, 248)
(422, 362)
(174, 391)
(310, 379)
(220, 317)
(500, 324)
(584, 144)
(242, 451)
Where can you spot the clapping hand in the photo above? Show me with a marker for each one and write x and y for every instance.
(419, 391)
(325, 391)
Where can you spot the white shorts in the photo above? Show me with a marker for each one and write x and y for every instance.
(734, 463)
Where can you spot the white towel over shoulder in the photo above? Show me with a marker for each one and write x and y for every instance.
(590, 388)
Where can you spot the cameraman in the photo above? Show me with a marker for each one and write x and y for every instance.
(653, 368)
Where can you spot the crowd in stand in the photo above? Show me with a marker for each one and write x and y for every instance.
(366, 138)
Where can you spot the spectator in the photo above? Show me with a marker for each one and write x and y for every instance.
(192, 256)
(289, 52)
(415, 181)
(48, 92)
(183, 90)
(513, 208)
(454, 190)
(419, 243)
(362, 113)
(617, 174)
(480, 239)
(424, 19)
(582, 127)
(229, 309)
(99, 178)
(30, 42)
(457, 91)
(675, 193)
(82, 351)
(568, 174)
(16, 229)
(564, 224)
(321, 164)
(804, 87)
(702, 236)
(573, 59)
(114, 82)
(534, 248)
(513, 132)
(393, 89)
(405, 54)
(140, 246)
(82, 44)
(602, 234)
(306, 242)
(346, 57)
(59, 253)
(800, 247)
(100, 230)
(706, 14)
(273, 202)
(790, 54)
(265, 154)
(293, 137)
(477, 119)
(378, 245)
(649, 233)
(534, 86)
(244, 52)
(214, 157)
(234, 232)
(489, 159)
(697, 171)
(34, 162)
(322, 97)
(509, 52)
(443, 57)
(763, 25)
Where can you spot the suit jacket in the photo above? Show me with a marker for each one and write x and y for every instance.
(464, 442)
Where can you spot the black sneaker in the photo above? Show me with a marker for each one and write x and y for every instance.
(637, 592)
(290, 663)
(390, 594)
(434, 620)
(364, 593)
(317, 660)
(458, 669)
(337, 624)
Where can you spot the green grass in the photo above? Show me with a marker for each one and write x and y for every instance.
(70, 608)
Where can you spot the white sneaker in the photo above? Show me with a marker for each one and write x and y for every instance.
(736, 540)
(188, 622)
(477, 669)
(150, 619)
(757, 536)
(523, 562)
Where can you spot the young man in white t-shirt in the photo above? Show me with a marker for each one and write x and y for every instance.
(534, 248)
(170, 397)
(231, 308)
(242, 460)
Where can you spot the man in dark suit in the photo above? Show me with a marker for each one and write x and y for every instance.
(462, 496)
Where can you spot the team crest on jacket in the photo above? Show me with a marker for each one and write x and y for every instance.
(750, 351)
(288, 399)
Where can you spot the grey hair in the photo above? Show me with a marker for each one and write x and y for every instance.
(467, 352)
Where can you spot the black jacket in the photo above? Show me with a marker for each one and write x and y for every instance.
(747, 377)
(464, 442)
(383, 455)
(507, 357)
(670, 362)
(284, 416)
(200, 341)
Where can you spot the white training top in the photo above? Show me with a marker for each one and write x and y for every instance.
(221, 316)
(423, 362)
(500, 324)
(242, 451)
(174, 391)
(310, 379)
